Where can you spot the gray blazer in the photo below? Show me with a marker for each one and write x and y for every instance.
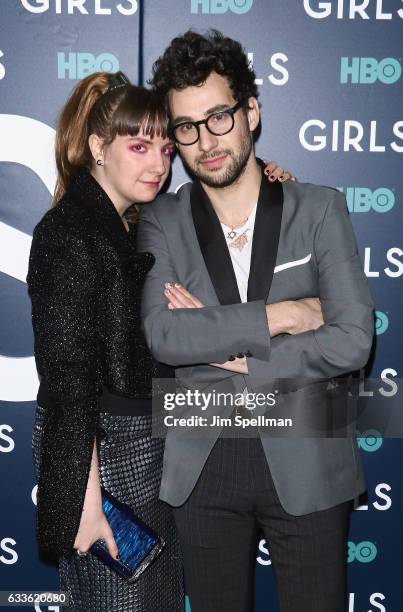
(303, 246)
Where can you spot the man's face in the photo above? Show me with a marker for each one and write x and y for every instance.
(218, 161)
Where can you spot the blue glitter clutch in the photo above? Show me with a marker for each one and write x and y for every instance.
(138, 544)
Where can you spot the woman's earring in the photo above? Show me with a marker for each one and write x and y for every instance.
(100, 162)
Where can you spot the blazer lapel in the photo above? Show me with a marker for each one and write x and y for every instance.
(213, 246)
(215, 251)
(266, 237)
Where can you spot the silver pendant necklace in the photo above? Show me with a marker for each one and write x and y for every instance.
(238, 237)
(232, 233)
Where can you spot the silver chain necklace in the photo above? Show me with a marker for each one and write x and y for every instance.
(232, 233)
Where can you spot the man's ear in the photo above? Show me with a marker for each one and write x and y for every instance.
(96, 145)
(253, 113)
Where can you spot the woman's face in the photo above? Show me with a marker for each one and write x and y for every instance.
(135, 168)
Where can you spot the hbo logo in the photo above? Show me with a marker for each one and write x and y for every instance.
(364, 552)
(217, 7)
(80, 65)
(362, 199)
(367, 70)
(370, 441)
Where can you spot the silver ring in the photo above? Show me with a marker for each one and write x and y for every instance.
(81, 553)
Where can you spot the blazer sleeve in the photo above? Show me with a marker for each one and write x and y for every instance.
(61, 283)
(344, 342)
(188, 336)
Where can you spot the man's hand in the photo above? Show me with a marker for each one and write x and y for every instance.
(307, 315)
(294, 317)
(179, 297)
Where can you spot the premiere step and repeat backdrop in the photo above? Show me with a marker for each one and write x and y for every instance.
(329, 74)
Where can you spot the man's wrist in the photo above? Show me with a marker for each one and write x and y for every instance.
(280, 317)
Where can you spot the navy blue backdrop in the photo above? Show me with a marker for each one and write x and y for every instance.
(329, 74)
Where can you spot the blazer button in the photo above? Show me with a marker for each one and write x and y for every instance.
(248, 354)
(240, 355)
(231, 358)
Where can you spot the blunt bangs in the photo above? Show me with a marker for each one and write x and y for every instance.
(140, 110)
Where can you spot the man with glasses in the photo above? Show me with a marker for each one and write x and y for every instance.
(219, 122)
(233, 303)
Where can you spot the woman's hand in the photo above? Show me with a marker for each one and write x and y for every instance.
(276, 173)
(93, 524)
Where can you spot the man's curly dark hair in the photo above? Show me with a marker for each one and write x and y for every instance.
(191, 58)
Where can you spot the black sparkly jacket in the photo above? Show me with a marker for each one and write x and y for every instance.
(85, 279)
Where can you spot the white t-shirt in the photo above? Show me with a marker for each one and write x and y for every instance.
(241, 258)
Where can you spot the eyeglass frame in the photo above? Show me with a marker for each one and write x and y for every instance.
(230, 111)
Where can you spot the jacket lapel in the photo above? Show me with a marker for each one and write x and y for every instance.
(266, 237)
(213, 246)
(264, 247)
